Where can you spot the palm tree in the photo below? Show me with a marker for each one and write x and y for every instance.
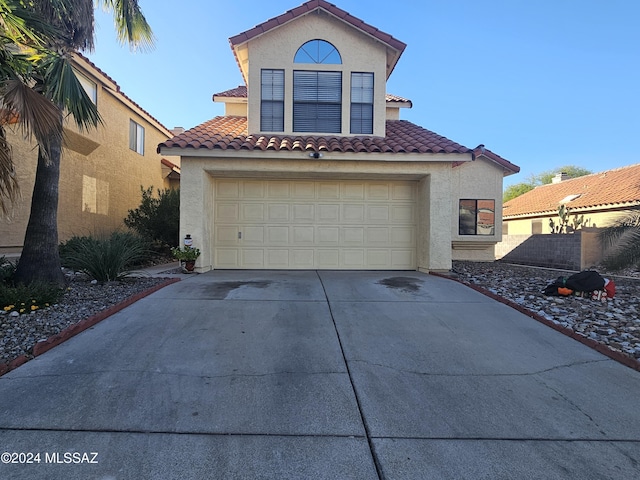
(622, 238)
(40, 66)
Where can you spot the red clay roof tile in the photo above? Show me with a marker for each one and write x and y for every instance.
(222, 133)
(620, 186)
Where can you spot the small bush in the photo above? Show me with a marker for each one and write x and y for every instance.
(28, 298)
(7, 269)
(157, 219)
(104, 259)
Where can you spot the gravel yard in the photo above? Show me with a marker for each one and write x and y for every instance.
(615, 323)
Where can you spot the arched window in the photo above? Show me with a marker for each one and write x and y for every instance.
(318, 51)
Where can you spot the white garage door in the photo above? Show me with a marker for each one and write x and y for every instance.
(314, 224)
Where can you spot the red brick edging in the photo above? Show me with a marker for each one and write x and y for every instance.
(72, 330)
(603, 349)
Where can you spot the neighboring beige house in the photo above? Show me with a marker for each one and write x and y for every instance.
(600, 197)
(101, 170)
(311, 166)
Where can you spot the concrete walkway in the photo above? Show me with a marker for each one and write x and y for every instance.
(320, 375)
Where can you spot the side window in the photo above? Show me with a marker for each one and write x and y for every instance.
(136, 137)
(362, 103)
(272, 101)
(476, 217)
(89, 86)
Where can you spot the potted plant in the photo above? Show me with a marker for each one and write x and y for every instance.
(188, 255)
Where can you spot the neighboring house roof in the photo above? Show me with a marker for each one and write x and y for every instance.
(174, 170)
(230, 133)
(508, 167)
(80, 59)
(311, 6)
(617, 188)
(241, 92)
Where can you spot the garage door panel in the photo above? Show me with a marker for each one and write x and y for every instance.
(307, 224)
(403, 214)
(328, 258)
(378, 191)
(278, 235)
(304, 213)
(277, 258)
(253, 235)
(353, 213)
(227, 258)
(328, 235)
(278, 189)
(253, 212)
(303, 258)
(378, 213)
(329, 213)
(278, 212)
(227, 212)
(353, 235)
(227, 189)
(253, 189)
(303, 235)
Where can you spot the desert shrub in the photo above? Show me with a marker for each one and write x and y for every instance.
(157, 219)
(7, 269)
(28, 298)
(104, 259)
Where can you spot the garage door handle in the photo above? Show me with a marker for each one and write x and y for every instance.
(239, 235)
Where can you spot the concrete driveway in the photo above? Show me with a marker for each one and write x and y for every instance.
(314, 375)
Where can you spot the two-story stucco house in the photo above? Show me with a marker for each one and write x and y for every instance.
(101, 170)
(311, 166)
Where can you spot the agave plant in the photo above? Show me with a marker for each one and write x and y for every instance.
(621, 240)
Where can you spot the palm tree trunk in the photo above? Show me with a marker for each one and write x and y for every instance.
(40, 260)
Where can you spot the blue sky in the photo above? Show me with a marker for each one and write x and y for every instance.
(543, 83)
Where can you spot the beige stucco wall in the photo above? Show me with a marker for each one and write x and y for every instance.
(276, 50)
(480, 179)
(198, 176)
(100, 176)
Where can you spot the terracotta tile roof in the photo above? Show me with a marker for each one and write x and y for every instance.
(308, 7)
(241, 92)
(509, 168)
(230, 133)
(170, 165)
(619, 187)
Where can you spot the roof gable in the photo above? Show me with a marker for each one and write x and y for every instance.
(394, 46)
(617, 187)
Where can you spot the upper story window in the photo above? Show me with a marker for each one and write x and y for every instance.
(272, 101)
(362, 103)
(318, 51)
(317, 101)
(89, 86)
(136, 137)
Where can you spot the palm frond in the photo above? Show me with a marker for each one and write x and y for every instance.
(36, 114)
(131, 25)
(74, 19)
(64, 88)
(622, 241)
